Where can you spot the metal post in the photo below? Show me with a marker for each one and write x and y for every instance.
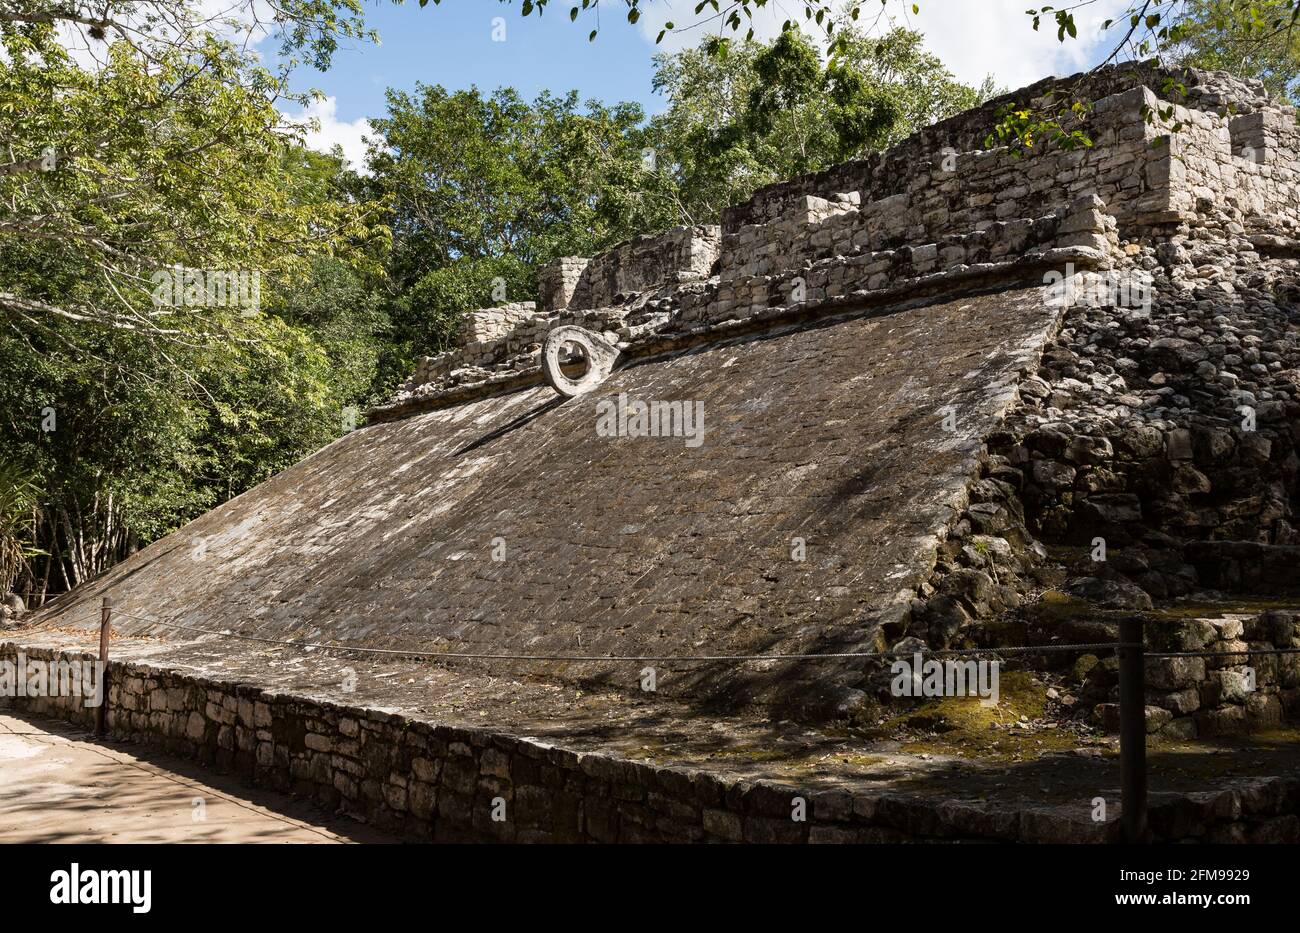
(106, 615)
(1132, 731)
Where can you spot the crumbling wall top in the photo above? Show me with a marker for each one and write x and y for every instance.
(940, 207)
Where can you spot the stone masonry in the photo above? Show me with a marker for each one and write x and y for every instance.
(444, 783)
(937, 205)
(993, 397)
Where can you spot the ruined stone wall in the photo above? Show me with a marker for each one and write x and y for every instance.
(490, 324)
(646, 262)
(1117, 94)
(924, 189)
(1181, 418)
(1245, 167)
(1167, 147)
(600, 294)
(557, 282)
(919, 191)
(1166, 430)
(826, 326)
(443, 783)
(1207, 697)
(820, 255)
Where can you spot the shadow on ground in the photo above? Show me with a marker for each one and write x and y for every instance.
(60, 784)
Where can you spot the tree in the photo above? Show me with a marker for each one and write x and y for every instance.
(152, 29)
(484, 188)
(754, 113)
(475, 176)
(159, 227)
(1261, 32)
(145, 165)
(1233, 36)
(18, 511)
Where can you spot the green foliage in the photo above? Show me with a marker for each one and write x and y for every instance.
(1252, 38)
(307, 30)
(484, 188)
(475, 176)
(131, 415)
(342, 312)
(152, 163)
(745, 114)
(426, 314)
(1258, 39)
(18, 497)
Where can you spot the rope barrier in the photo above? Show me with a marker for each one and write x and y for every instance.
(1132, 695)
(705, 658)
(1220, 654)
(734, 658)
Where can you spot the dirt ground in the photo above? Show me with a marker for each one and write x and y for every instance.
(59, 784)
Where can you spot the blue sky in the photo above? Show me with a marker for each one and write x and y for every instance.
(453, 44)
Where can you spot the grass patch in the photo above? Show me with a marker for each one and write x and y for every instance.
(963, 726)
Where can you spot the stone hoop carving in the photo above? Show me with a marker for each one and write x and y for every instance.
(600, 355)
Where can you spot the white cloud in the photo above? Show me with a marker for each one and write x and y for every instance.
(244, 23)
(332, 131)
(973, 38)
(978, 37)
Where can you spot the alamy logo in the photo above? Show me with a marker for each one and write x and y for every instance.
(631, 417)
(947, 678)
(75, 886)
(1131, 290)
(24, 677)
(207, 288)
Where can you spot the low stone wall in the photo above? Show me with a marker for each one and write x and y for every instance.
(445, 783)
(1247, 165)
(1191, 697)
(920, 191)
(488, 324)
(830, 262)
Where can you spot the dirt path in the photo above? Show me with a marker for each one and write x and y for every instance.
(57, 784)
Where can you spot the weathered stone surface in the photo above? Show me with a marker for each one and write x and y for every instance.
(597, 359)
(1110, 594)
(856, 438)
(880, 394)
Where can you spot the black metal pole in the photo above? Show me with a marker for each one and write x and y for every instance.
(1132, 731)
(105, 626)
